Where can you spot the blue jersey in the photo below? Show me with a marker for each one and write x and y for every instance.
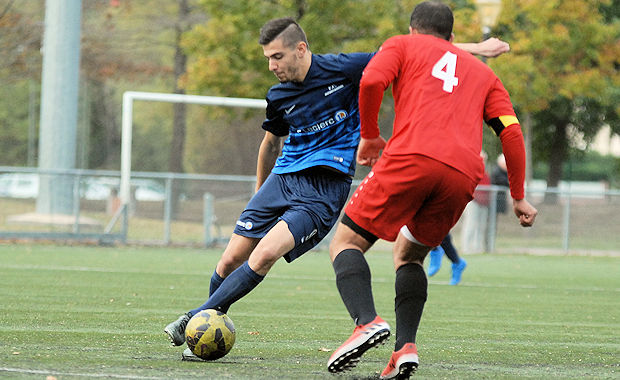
(319, 115)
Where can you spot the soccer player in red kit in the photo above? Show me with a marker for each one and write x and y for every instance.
(427, 173)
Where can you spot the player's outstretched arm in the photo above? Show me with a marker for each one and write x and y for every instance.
(489, 48)
(525, 212)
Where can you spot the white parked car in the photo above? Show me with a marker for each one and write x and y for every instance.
(19, 185)
(144, 189)
(26, 185)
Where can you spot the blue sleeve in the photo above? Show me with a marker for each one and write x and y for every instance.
(274, 121)
(352, 65)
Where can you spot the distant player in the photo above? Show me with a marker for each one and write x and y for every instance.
(301, 192)
(426, 175)
(458, 263)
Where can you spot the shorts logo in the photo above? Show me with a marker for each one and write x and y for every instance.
(246, 225)
(306, 238)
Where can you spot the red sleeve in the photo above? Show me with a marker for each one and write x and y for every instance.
(380, 72)
(371, 96)
(513, 147)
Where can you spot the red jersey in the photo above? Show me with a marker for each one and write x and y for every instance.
(441, 95)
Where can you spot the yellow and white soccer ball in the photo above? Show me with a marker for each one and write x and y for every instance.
(210, 334)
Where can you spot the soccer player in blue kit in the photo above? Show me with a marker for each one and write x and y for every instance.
(300, 192)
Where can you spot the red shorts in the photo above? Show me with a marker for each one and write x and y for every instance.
(424, 194)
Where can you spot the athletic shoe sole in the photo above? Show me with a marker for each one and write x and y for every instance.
(350, 358)
(188, 356)
(407, 364)
(405, 370)
(171, 338)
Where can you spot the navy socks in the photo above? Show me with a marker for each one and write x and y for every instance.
(449, 249)
(216, 281)
(234, 287)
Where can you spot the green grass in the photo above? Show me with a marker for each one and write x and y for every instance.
(96, 312)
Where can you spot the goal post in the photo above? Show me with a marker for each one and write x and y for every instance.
(129, 97)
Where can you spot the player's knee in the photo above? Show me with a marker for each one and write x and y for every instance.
(399, 262)
(346, 238)
(228, 264)
(338, 245)
(262, 260)
(410, 254)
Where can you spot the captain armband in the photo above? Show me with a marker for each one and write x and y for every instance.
(498, 124)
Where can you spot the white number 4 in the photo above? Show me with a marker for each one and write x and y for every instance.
(445, 69)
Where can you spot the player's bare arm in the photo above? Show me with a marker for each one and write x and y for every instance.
(268, 152)
(489, 48)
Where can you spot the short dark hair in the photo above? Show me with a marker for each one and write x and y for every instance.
(433, 17)
(285, 28)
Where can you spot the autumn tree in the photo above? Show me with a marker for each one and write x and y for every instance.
(126, 45)
(226, 59)
(21, 30)
(136, 43)
(563, 71)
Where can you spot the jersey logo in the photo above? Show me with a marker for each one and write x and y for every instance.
(333, 88)
(288, 110)
(340, 115)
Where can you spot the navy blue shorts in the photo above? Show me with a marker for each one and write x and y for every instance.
(308, 201)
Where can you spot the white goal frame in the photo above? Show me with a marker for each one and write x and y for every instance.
(129, 97)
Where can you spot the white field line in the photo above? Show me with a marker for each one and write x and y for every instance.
(297, 277)
(77, 374)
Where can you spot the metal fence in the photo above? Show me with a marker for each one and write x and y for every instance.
(201, 210)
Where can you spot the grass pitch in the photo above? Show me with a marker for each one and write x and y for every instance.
(96, 312)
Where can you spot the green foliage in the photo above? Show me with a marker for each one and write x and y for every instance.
(559, 49)
(14, 124)
(563, 70)
(586, 166)
(563, 65)
(227, 60)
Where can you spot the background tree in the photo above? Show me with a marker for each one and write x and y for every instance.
(136, 45)
(226, 60)
(126, 45)
(21, 31)
(563, 70)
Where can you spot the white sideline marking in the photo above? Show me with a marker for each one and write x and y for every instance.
(297, 278)
(55, 373)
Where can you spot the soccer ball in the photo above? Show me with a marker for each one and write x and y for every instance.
(210, 334)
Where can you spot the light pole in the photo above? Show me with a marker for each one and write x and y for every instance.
(489, 11)
(59, 104)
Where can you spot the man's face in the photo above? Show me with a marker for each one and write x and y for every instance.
(284, 62)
